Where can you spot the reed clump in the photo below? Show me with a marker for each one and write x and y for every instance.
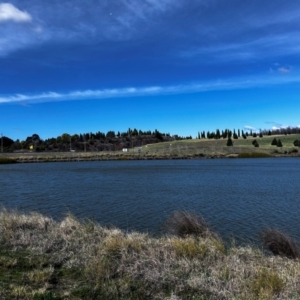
(183, 223)
(279, 243)
(44, 259)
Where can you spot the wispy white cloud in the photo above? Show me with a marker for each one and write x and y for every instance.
(8, 12)
(279, 127)
(275, 124)
(257, 48)
(284, 70)
(247, 127)
(198, 28)
(149, 91)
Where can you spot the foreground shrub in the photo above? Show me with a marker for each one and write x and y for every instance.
(279, 243)
(183, 223)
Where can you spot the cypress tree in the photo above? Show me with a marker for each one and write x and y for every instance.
(279, 144)
(274, 142)
(229, 142)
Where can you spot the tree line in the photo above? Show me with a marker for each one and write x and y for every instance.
(113, 141)
(97, 141)
(227, 133)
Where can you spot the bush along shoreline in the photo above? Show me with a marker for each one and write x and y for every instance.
(44, 259)
(7, 160)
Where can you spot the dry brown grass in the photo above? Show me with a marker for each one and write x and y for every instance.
(82, 260)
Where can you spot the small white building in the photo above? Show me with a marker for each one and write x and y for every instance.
(125, 150)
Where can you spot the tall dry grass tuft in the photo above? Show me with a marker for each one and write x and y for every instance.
(279, 243)
(183, 223)
(266, 284)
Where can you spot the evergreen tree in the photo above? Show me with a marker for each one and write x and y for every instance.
(279, 144)
(229, 142)
(274, 142)
(224, 134)
(255, 143)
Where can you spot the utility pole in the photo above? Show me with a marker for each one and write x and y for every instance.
(1, 142)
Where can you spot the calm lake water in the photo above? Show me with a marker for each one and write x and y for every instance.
(238, 197)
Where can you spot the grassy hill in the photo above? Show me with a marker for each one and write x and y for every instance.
(211, 147)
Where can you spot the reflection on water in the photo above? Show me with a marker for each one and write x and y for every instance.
(236, 196)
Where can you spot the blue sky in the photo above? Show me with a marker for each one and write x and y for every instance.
(179, 66)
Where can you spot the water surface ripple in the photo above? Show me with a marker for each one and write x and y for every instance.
(238, 197)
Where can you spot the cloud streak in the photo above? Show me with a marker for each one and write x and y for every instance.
(148, 91)
(230, 34)
(8, 12)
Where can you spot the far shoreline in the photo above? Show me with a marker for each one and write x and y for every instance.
(46, 157)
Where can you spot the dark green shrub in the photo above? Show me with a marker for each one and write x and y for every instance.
(297, 143)
(255, 143)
